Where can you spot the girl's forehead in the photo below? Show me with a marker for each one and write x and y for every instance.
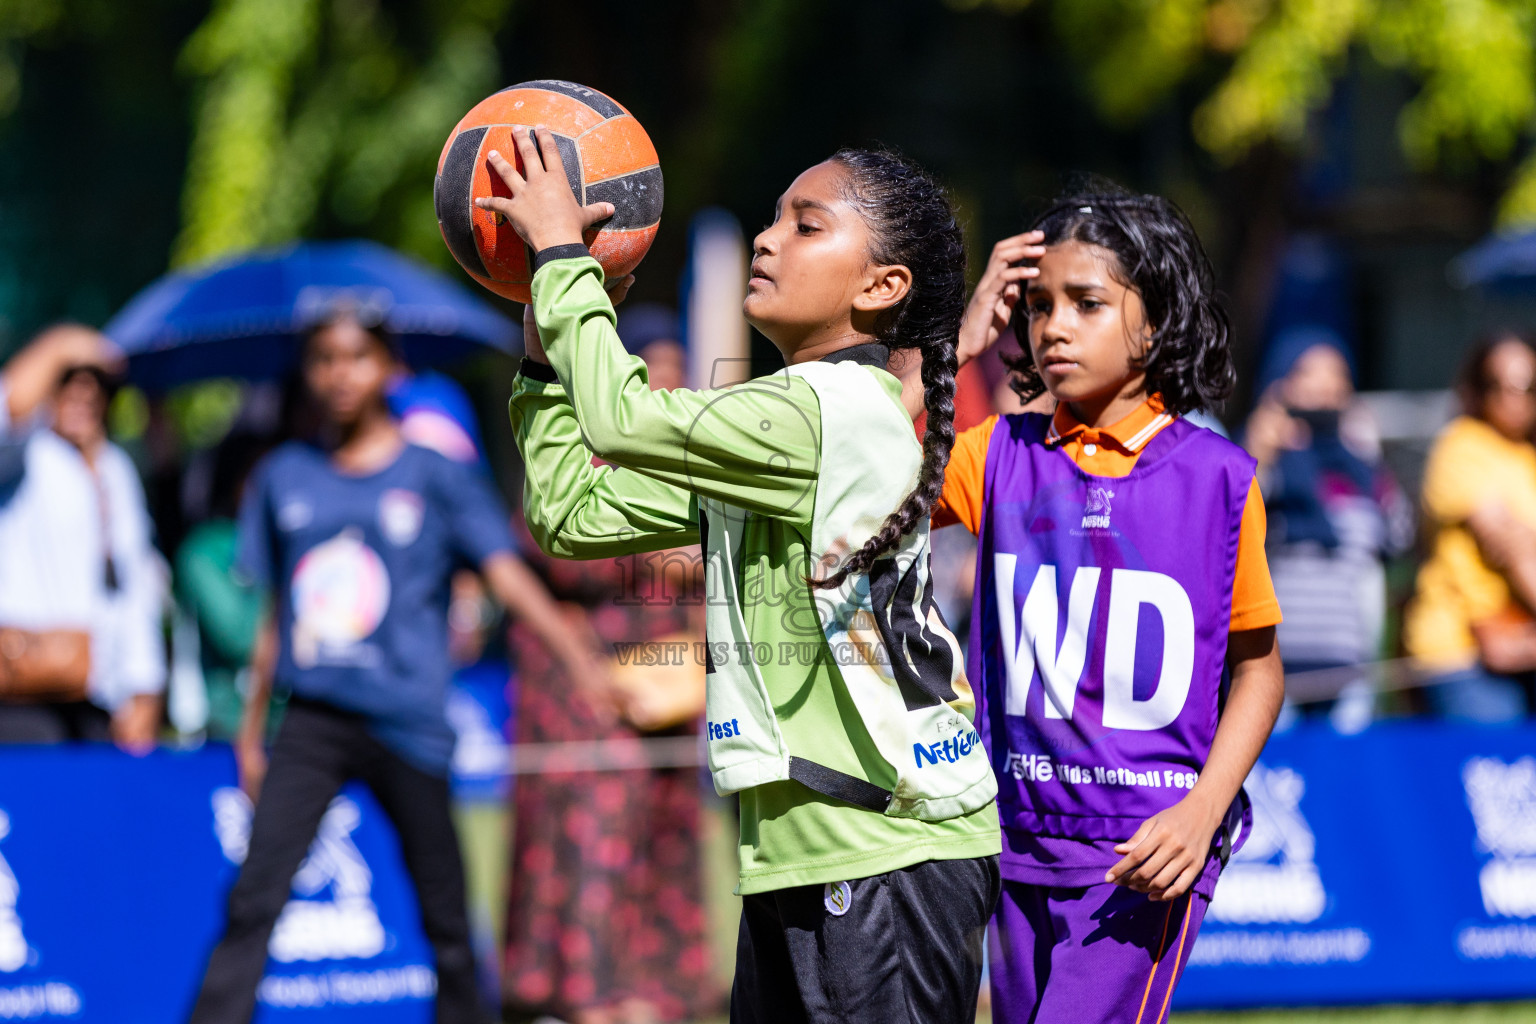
(345, 336)
(820, 185)
(1079, 262)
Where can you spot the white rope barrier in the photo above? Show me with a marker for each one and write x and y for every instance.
(630, 754)
(606, 755)
(1389, 676)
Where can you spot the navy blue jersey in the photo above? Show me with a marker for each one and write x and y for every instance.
(360, 567)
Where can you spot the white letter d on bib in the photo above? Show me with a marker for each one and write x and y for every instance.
(1129, 589)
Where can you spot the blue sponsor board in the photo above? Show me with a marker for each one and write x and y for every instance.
(1396, 865)
(113, 873)
(481, 714)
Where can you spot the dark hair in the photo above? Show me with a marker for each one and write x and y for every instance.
(107, 382)
(369, 317)
(1189, 361)
(1472, 380)
(912, 224)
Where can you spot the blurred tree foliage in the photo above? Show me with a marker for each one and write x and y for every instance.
(1276, 63)
(306, 102)
(228, 124)
(21, 21)
(93, 139)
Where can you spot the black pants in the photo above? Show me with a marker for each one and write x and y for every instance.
(906, 947)
(64, 722)
(319, 748)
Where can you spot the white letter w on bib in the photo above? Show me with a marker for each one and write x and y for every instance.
(1031, 647)
(1060, 668)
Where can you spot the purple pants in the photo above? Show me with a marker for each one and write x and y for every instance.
(1090, 955)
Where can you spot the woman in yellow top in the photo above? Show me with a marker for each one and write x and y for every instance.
(1470, 625)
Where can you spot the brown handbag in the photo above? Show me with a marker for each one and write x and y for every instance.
(658, 697)
(44, 665)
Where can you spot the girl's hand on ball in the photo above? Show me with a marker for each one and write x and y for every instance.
(542, 209)
(998, 291)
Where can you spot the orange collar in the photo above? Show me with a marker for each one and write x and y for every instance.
(1130, 434)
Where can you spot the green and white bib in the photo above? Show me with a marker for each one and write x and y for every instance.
(901, 664)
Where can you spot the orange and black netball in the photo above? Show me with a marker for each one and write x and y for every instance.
(608, 158)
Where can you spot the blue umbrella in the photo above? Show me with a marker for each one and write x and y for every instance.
(243, 317)
(1502, 262)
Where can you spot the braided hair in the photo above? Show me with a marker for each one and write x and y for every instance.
(1189, 361)
(912, 224)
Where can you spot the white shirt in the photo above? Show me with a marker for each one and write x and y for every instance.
(53, 562)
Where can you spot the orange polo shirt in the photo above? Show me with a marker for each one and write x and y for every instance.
(1112, 451)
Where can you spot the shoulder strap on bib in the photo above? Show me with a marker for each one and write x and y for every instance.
(839, 785)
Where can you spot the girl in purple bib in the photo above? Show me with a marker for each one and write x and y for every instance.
(1122, 641)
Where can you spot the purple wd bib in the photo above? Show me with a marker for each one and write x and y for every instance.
(1099, 632)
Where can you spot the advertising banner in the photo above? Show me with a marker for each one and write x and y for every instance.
(113, 875)
(480, 712)
(1395, 865)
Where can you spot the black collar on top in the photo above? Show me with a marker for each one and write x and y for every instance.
(871, 353)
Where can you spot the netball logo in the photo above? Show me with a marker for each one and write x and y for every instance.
(1096, 508)
(1502, 798)
(13, 944)
(331, 915)
(479, 749)
(1273, 878)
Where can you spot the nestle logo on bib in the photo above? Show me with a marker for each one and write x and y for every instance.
(949, 751)
(1096, 509)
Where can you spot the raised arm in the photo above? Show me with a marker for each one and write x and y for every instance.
(575, 509)
(756, 445)
(986, 316)
(31, 376)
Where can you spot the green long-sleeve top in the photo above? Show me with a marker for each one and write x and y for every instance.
(754, 447)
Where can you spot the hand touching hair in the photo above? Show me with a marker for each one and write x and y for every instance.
(1157, 253)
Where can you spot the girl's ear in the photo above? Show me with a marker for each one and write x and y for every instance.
(1138, 322)
(883, 288)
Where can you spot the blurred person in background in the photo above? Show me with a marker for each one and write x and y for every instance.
(605, 921)
(1335, 516)
(29, 379)
(226, 613)
(1469, 627)
(82, 588)
(355, 537)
